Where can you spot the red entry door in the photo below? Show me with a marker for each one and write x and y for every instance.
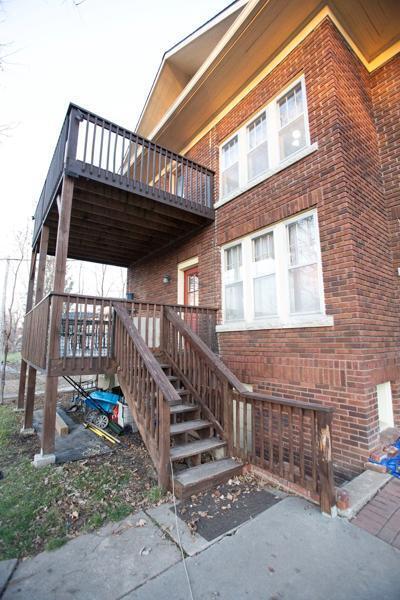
(191, 297)
(192, 286)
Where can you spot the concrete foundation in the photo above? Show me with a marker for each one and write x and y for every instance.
(42, 460)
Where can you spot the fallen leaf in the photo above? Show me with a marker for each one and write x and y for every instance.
(75, 514)
(141, 523)
(145, 551)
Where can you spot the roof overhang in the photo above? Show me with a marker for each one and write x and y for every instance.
(261, 35)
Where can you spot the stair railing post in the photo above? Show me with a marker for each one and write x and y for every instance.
(162, 317)
(228, 408)
(325, 466)
(164, 441)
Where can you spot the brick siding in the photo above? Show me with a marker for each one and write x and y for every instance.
(353, 181)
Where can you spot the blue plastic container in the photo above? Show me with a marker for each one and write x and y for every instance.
(107, 400)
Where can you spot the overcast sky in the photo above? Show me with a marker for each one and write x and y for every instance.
(102, 54)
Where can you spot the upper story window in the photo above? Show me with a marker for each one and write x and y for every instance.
(273, 278)
(277, 136)
(292, 122)
(230, 166)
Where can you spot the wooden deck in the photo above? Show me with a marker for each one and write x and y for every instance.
(131, 197)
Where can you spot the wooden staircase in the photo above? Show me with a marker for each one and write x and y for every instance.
(197, 453)
(194, 415)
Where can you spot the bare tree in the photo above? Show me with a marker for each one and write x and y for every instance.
(101, 288)
(10, 317)
(49, 276)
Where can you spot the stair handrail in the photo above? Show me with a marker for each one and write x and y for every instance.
(235, 393)
(149, 359)
(154, 428)
(211, 358)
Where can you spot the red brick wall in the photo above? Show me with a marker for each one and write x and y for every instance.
(337, 365)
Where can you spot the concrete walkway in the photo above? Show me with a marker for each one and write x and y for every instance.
(290, 551)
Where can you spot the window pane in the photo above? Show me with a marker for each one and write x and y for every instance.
(263, 247)
(302, 241)
(257, 147)
(292, 137)
(257, 132)
(233, 261)
(257, 161)
(234, 301)
(265, 296)
(291, 105)
(230, 153)
(304, 289)
(230, 180)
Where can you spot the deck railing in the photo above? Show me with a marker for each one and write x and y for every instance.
(99, 149)
(288, 439)
(85, 330)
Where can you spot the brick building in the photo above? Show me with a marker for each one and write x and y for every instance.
(296, 108)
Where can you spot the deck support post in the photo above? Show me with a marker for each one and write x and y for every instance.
(50, 400)
(29, 303)
(30, 394)
(325, 467)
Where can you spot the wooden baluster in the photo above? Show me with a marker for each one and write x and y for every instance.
(262, 434)
(290, 434)
(101, 148)
(66, 332)
(314, 452)
(280, 440)
(76, 330)
(301, 446)
(93, 333)
(245, 427)
(84, 325)
(271, 436)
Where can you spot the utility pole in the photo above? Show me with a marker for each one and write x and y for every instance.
(3, 308)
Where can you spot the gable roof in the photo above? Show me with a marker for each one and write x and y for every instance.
(253, 34)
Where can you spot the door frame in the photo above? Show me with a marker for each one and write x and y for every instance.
(182, 267)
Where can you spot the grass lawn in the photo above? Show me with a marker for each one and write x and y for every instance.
(43, 508)
(13, 358)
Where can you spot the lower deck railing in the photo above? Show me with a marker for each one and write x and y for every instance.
(288, 439)
(84, 330)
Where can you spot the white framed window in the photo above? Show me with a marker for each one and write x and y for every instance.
(264, 275)
(257, 147)
(233, 282)
(230, 166)
(272, 140)
(273, 278)
(292, 121)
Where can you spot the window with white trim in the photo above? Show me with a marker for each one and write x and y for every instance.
(274, 277)
(233, 277)
(230, 166)
(270, 140)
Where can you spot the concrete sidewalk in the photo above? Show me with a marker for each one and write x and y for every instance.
(290, 551)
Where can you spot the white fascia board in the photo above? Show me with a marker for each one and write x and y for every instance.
(187, 40)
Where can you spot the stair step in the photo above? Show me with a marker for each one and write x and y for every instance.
(205, 477)
(165, 366)
(183, 392)
(172, 378)
(197, 447)
(183, 408)
(186, 426)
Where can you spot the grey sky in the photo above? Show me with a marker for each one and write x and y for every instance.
(102, 54)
